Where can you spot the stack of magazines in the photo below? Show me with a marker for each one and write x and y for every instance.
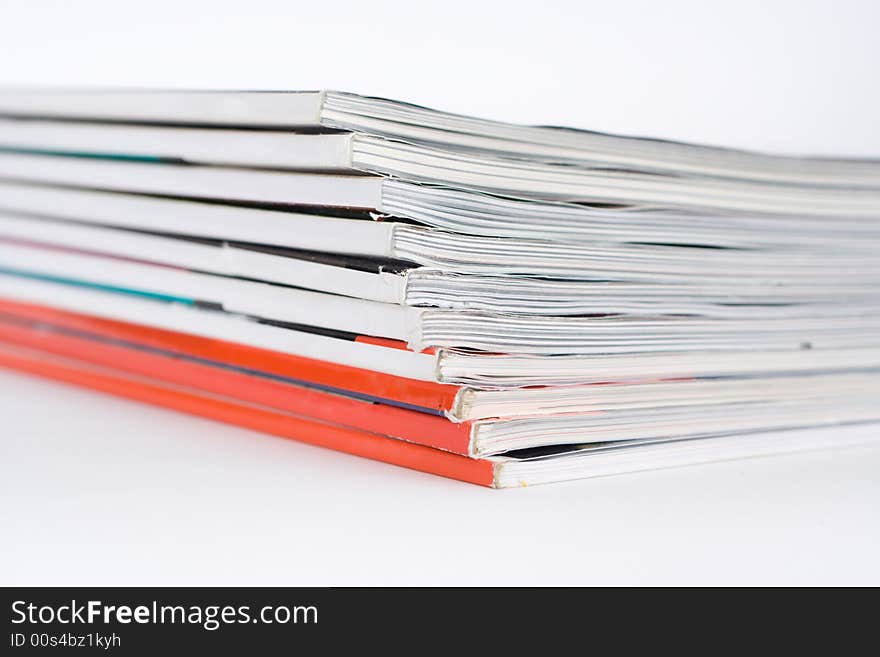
(501, 304)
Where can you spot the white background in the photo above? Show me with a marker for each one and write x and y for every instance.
(102, 491)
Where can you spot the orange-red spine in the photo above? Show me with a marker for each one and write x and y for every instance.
(344, 439)
(427, 394)
(431, 430)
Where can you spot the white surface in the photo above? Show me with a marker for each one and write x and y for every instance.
(100, 491)
(97, 490)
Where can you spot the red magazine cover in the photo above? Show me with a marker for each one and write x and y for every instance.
(425, 428)
(428, 395)
(251, 416)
